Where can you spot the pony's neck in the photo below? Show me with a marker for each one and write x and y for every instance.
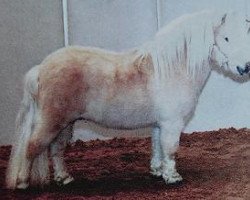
(184, 48)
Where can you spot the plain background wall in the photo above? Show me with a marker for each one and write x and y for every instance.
(112, 24)
(29, 31)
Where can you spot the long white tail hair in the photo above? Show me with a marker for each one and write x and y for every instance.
(25, 123)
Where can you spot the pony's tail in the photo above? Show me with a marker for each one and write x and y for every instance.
(25, 124)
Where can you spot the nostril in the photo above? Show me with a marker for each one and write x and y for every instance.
(240, 70)
(247, 64)
(247, 67)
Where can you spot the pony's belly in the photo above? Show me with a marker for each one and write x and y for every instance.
(121, 115)
(128, 117)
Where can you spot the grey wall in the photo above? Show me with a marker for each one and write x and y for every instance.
(29, 31)
(112, 24)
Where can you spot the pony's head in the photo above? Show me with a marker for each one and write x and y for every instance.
(231, 48)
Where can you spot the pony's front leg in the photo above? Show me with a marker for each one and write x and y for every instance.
(156, 159)
(170, 136)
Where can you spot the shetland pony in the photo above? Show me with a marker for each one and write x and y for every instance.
(157, 84)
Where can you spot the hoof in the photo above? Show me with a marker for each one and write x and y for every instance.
(22, 186)
(156, 172)
(64, 180)
(68, 180)
(172, 178)
(155, 167)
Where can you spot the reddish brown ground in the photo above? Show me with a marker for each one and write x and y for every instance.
(214, 165)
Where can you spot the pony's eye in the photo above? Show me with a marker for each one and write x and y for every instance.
(226, 38)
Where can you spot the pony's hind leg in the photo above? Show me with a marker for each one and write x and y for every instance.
(45, 132)
(34, 168)
(170, 136)
(57, 147)
(156, 159)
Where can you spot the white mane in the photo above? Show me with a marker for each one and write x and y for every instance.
(174, 48)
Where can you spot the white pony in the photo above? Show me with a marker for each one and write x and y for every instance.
(155, 85)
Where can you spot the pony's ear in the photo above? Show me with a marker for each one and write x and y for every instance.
(223, 19)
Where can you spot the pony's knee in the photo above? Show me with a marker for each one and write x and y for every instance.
(59, 144)
(56, 149)
(37, 145)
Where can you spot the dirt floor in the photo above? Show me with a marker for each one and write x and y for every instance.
(214, 165)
